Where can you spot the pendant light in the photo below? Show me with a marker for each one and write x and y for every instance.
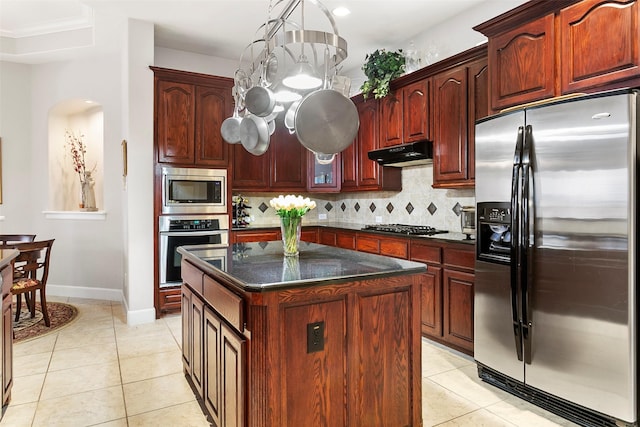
(302, 76)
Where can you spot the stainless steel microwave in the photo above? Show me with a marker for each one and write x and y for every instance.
(194, 191)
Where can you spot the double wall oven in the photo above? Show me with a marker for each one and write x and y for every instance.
(194, 212)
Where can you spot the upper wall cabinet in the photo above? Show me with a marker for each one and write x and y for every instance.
(544, 49)
(189, 110)
(282, 168)
(359, 173)
(522, 63)
(404, 114)
(599, 43)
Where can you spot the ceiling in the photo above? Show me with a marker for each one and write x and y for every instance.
(220, 28)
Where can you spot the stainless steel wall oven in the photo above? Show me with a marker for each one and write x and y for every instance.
(186, 230)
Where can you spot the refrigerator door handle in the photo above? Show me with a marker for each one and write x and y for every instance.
(525, 242)
(515, 246)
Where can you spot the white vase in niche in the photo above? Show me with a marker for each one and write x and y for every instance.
(88, 193)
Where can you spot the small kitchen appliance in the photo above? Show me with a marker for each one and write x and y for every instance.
(468, 221)
(194, 191)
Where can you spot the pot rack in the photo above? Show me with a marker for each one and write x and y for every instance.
(272, 54)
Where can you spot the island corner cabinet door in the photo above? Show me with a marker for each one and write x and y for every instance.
(369, 357)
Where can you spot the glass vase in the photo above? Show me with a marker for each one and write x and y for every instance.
(290, 228)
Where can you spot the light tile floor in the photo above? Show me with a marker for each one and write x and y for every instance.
(100, 372)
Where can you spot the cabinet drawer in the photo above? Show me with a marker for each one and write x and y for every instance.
(256, 236)
(395, 248)
(460, 258)
(170, 299)
(192, 276)
(426, 253)
(225, 302)
(328, 238)
(368, 244)
(347, 241)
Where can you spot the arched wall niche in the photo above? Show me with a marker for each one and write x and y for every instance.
(84, 119)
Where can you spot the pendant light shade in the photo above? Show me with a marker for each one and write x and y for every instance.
(302, 76)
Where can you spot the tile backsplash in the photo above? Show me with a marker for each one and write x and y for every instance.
(417, 204)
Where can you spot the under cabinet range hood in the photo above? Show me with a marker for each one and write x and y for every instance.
(410, 154)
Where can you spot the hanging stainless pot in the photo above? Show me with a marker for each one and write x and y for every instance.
(230, 128)
(260, 101)
(326, 121)
(290, 116)
(254, 134)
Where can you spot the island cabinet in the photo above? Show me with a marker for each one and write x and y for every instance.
(282, 168)
(359, 173)
(447, 292)
(303, 346)
(404, 114)
(460, 98)
(544, 49)
(189, 110)
(6, 322)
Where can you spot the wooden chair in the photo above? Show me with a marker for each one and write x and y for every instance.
(8, 239)
(31, 271)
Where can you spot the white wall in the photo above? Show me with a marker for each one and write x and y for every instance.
(86, 259)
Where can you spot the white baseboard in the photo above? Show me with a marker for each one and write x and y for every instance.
(85, 292)
(134, 317)
(138, 317)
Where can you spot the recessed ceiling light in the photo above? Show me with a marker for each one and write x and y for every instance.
(341, 11)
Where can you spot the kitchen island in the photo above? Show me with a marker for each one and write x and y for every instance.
(328, 338)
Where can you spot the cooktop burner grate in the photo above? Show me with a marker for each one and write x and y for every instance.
(416, 230)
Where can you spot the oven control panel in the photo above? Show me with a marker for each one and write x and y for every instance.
(194, 224)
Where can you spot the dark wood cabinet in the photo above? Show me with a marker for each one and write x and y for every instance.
(189, 110)
(288, 162)
(447, 292)
(522, 63)
(404, 114)
(249, 172)
(460, 98)
(543, 49)
(175, 116)
(307, 234)
(391, 119)
(168, 299)
(213, 351)
(416, 115)
(599, 44)
(358, 172)
(450, 126)
(282, 168)
(258, 371)
(6, 374)
(389, 246)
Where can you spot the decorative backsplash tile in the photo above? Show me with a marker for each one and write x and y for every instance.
(422, 204)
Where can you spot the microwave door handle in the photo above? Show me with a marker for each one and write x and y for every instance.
(515, 249)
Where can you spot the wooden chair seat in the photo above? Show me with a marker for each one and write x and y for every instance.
(31, 270)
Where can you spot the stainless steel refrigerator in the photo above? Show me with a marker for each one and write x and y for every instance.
(556, 246)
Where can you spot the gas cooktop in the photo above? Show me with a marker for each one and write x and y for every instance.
(416, 230)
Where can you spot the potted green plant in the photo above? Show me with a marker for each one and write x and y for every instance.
(381, 67)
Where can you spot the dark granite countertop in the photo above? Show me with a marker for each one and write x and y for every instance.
(451, 236)
(261, 266)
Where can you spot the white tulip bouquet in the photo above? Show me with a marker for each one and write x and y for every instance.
(291, 209)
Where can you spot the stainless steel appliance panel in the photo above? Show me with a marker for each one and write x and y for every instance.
(582, 322)
(495, 147)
